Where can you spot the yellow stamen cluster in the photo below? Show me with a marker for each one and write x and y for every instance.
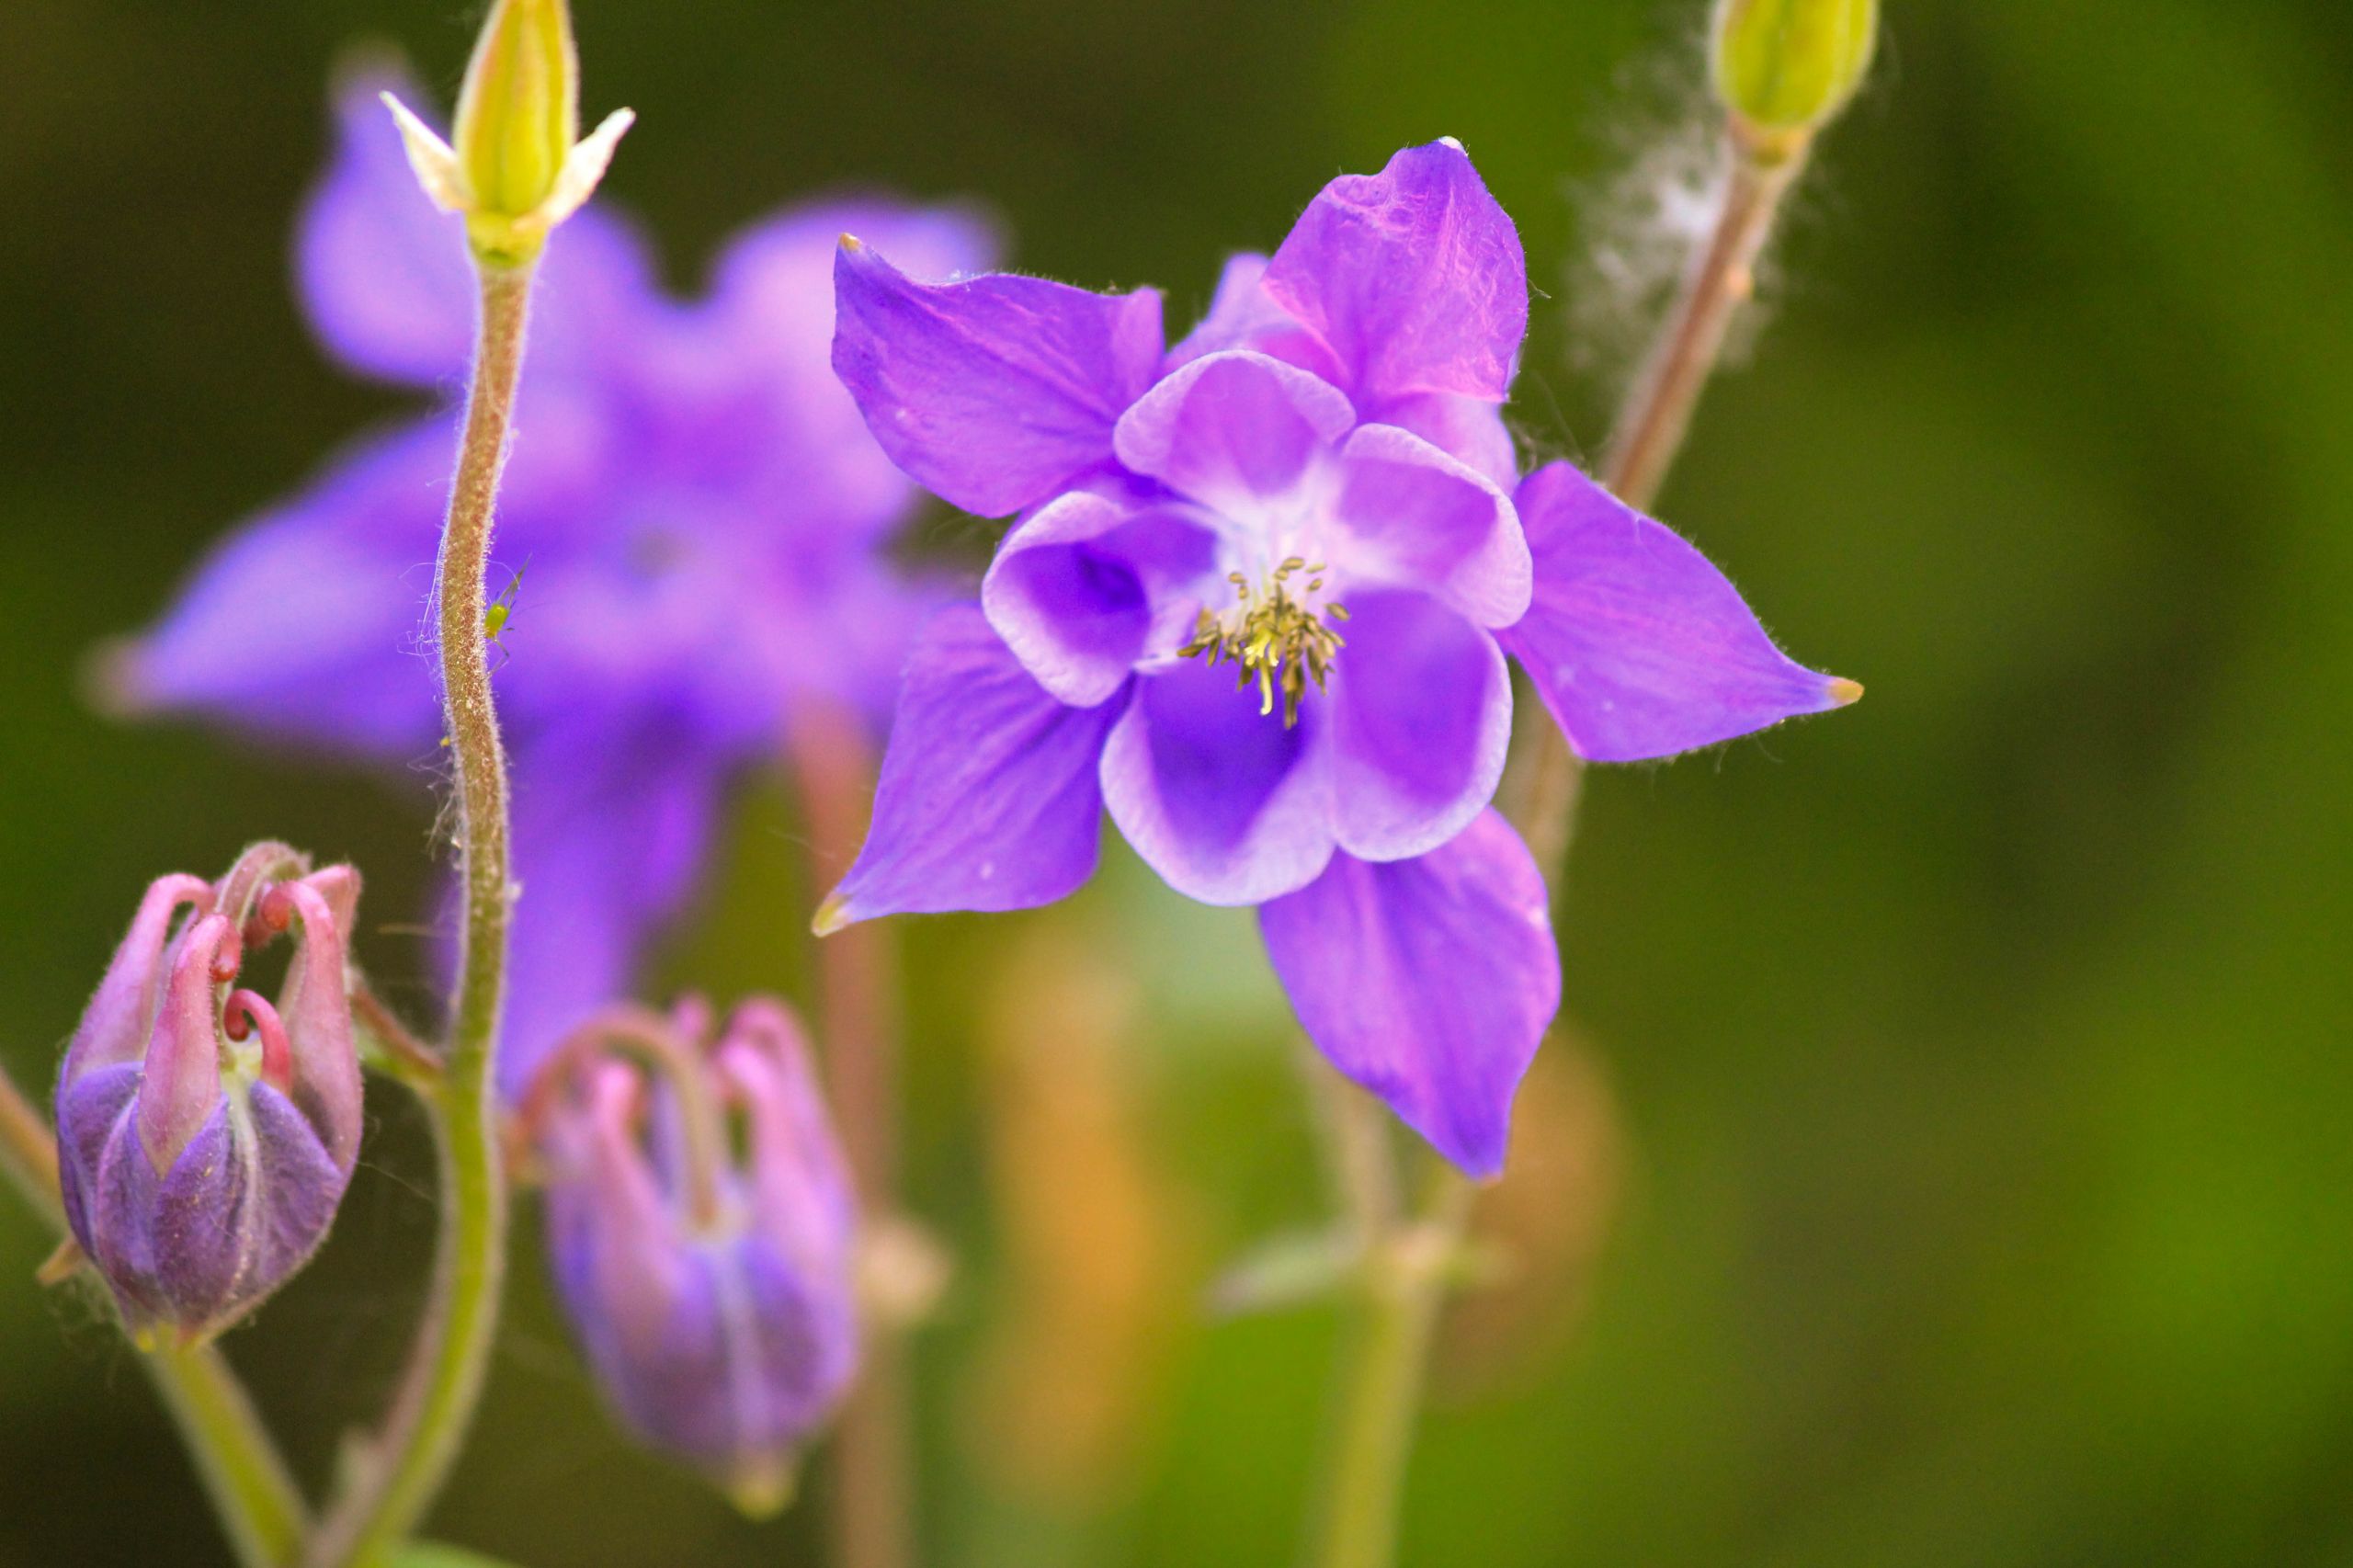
(1276, 640)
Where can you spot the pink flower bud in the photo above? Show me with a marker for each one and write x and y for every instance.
(713, 1290)
(206, 1135)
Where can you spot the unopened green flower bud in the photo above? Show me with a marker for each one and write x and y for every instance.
(518, 112)
(519, 167)
(1785, 68)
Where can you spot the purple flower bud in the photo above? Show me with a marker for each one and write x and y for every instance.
(205, 1135)
(702, 1234)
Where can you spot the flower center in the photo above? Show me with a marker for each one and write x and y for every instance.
(1278, 635)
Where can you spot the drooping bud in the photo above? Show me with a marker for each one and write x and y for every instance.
(1785, 68)
(519, 167)
(702, 1234)
(205, 1135)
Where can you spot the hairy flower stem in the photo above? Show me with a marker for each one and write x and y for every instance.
(873, 1448)
(1656, 413)
(1406, 1263)
(260, 1510)
(444, 1379)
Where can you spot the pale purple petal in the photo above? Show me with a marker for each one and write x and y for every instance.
(1243, 316)
(1469, 429)
(1639, 647)
(1232, 429)
(1416, 518)
(1086, 585)
(382, 271)
(611, 828)
(987, 798)
(1413, 276)
(1430, 981)
(1420, 718)
(995, 391)
(307, 624)
(1229, 805)
(384, 276)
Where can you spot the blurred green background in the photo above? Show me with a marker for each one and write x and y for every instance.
(1949, 1159)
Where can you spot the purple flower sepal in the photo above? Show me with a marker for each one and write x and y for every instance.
(205, 1135)
(1312, 496)
(713, 1291)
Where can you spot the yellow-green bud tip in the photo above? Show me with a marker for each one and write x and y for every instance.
(1843, 691)
(852, 243)
(763, 1488)
(1788, 66)
(832, 915)
(519, 167)
(518, 112)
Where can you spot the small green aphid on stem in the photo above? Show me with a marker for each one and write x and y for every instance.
(500, 611)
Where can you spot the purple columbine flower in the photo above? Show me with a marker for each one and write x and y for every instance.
(700, 508)
(714, 1292)
(1312, 498)
(204, 1135)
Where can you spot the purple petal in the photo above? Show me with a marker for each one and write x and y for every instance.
(995, 391)
(1243, 316)
(1084, 587)
(1414, 277)
(1229, 805)
(1430, 981)
(1232, 429)
(987, 798)
(95, 1110)
(119, 1204)
(764, 344)
(1639, 647)
(610, 829)
(1421, 718)
(1416, 518)
(240, 1210)
(305, 625)
(384, 276)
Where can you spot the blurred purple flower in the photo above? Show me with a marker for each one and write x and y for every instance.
(1316, 487)
(714, 1294)
(700, 507)
(204, 1135)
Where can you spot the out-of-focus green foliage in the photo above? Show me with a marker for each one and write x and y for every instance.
(1954, 1164)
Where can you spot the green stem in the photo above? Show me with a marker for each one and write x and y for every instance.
(1406, 1265)
(447, 1368)
(260, 1510)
